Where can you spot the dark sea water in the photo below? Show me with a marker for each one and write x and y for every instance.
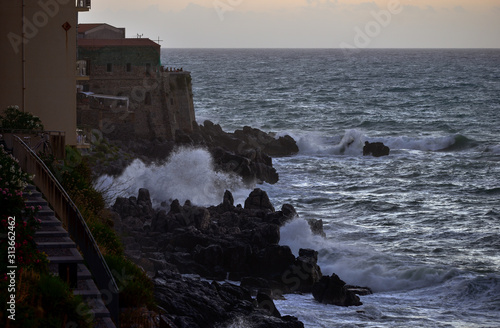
(421, 226)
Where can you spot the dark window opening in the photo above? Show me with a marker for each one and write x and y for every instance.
(147, 99)
(129, 67)
(148, 69)
(109, 67)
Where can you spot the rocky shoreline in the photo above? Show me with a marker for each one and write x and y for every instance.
(246, 152)
(223, 243)
(221, 265)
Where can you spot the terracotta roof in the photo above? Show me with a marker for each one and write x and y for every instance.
(99, 43)
(82, 28)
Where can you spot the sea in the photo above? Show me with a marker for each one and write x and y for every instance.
(420, 227)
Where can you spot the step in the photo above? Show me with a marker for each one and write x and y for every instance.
(97, 306)
(90, 292)
(65, 259)
(36, 202)
(33, 194)
(82, 272)
(44, 212)
(104, 323)
(49, 221)
(75, 256)
(55, 244)
(51, 239)
(51, 233)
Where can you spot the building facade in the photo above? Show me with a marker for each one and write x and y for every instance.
(37, 70)
(124, 91)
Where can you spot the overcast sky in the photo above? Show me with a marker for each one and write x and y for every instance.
(305, 23)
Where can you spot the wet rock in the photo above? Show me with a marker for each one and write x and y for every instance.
(258, 200)
(333, 290)
(375, 149)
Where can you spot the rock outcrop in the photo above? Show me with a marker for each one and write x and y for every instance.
(245, 152)
(196, 303)
(333, 290)
(375, 149)
(223, 242)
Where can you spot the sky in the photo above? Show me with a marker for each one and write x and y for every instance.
(305, 23)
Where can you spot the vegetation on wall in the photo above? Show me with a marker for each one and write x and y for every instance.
(14, 119)
(42, 300)
(75, 175)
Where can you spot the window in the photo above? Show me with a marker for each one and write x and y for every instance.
(109, 67)
(129, 67)
(148, 69)
(147, 99)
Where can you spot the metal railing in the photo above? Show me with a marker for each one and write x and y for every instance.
(69, 214)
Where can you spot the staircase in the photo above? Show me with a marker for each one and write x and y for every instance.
(64, 257)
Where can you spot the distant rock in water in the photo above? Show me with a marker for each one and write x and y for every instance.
(375, 149)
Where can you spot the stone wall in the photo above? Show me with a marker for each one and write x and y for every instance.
(159, 104)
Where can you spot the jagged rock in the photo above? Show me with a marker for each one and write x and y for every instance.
(219, 242)
(265, 302)
(258, 200)
(303, 273)
(316, 226)
(195, 303)
(375, 149)
(272, 261)
(332, 290)
(283, 146)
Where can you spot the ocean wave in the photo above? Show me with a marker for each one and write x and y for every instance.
(494, 149)
(361, 266)
(352, 141)
(477, 291)
(188, 174)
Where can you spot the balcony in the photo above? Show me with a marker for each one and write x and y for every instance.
(83, 5)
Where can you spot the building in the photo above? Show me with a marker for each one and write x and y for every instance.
(124, 91)
(37, 69)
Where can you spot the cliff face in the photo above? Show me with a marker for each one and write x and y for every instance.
(145, 106)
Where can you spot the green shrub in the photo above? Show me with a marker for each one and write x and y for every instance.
(136, 289)
(106, 238)
(15, 119)
(43, 300)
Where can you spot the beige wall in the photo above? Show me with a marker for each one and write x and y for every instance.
(50, 61)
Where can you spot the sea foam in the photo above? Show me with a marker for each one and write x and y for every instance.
(351, 143)
(358, 265)
(188, 174)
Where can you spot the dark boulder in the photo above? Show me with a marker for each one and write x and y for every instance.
(332, 290)
(375, 149)
(265, 302)
(258, 200)
(303, 273)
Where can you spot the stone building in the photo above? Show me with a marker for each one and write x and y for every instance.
(38, 51)
(124, 91)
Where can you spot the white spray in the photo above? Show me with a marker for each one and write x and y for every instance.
(188, 174)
